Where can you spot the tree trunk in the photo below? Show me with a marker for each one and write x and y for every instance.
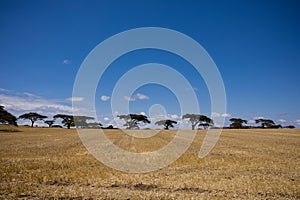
(32, 122)
(193, 126)
(69, 125)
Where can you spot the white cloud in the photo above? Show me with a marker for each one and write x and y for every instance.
(174, 116)
(66, 62)
(141, 96)
(138, 96)
(215, 114)
(251, 121)
(258, 117)
(105, 98)
(73, 99)
(282, 120)
(3, 90)
(226, 115)
(18, 103)
(298, 121)
(127, 98)
(142, 113)
(106, 119)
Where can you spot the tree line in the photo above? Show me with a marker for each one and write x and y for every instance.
(132, 121)
(238, 123)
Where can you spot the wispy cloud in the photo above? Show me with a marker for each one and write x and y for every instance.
(104, 98)
(215, 114)
(282, 114)
(3, 90)
(261, 117)
(138, 96)
(298, 121)
(128, 98)
(282, 120)
(251, 121)
(141, 96)
(73, 99)
(174, 116)
(19, 103)
(66, 62)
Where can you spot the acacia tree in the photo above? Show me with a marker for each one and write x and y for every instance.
(166, 123)
(67, 120)
(94, 125)
(80, 121)
(6, 117)
(133, 120)
(198, 120)
(265, 123)
(49, 122)
(33, 117)
(237, 122)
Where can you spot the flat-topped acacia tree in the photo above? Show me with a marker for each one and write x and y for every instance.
(237, 122)
(133, 120)
(166, 123)
(49, 122)
(33, 117)
(6, 117)
(198, 120)
(265, 123)
(67, 120)
(81, 121)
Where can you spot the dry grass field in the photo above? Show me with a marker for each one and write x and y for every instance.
(49, 163)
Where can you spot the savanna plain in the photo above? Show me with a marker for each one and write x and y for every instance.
(52, 163)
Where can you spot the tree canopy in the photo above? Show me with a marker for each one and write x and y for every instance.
(166, 123)
(49, 122)
(81, 121)
(265, 123)
(94, 125)
(33, 117)
(198, 120)
(237, 122)
(6, 117)
(67, 120)
(133, 120)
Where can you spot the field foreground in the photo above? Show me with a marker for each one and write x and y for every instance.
(49, 163)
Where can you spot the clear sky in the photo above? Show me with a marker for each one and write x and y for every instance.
(255, 45)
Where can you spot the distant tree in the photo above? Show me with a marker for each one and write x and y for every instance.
(198, 120)
(265, 123)
(49, 122)
(109, 127)
(290, 126)
(94, 125)
(166, 123)
(33, 117)
(56, 126)
(67, 120)
(81, 121)
(6, 117)
(133, 120)
(276, 126)
(237, 122)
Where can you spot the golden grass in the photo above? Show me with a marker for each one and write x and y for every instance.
(49, 163)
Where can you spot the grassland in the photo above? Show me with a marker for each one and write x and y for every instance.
(49, 163)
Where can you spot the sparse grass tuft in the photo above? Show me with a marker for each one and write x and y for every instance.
(8, 128)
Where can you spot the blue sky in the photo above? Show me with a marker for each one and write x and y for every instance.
(255, 44)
